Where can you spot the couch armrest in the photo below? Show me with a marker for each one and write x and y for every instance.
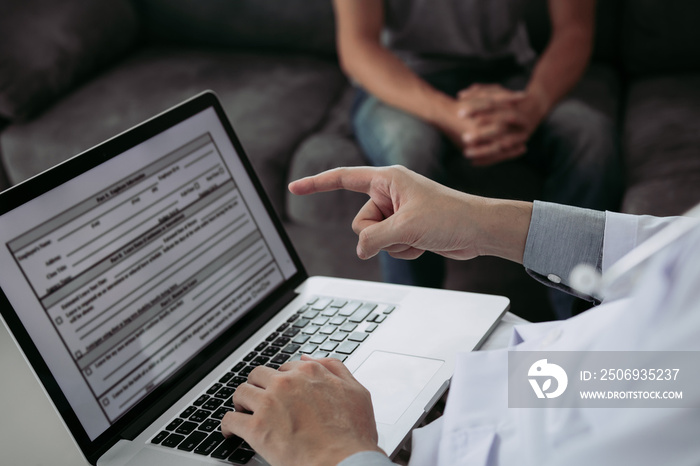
(661, 144)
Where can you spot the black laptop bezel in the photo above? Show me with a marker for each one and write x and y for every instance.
(153, 405)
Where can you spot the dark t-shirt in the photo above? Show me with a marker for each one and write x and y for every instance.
(436, 35)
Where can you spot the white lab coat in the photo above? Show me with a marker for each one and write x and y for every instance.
(661, 312)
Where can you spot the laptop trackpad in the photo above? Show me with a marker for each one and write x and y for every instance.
(394, 380)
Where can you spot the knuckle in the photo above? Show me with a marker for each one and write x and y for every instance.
(255, 371)
(266, 404)
(282, 383)
(310, 368)
(400, 169)
(365, 237)
(257, 425)
(227, 418)
(335, 362)
(239, 390)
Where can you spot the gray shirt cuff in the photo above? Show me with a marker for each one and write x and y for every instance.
(367, 458)
(561, 237)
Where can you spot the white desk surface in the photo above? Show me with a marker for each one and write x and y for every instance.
(32, 434)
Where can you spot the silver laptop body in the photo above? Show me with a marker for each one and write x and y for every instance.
(144, 278)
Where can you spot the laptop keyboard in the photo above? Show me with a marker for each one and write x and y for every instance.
(324, 327)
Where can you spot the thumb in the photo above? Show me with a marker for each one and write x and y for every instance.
(377, 236)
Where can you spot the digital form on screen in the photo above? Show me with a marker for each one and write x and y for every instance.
(122, 274)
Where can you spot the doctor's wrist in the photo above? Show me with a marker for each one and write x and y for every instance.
(504, 228)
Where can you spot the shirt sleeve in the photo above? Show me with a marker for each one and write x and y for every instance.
(367, 458)
(559, 238)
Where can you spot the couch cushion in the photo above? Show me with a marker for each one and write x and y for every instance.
(599, 87)
(331, 147)
(330, 251)
(661, 36)
(306, 25)
(48, 47)
(662, 145)
(272, 101)
(318, 153)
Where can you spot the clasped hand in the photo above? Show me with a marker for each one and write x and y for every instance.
(496, 123)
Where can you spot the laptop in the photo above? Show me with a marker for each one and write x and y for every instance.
(144, 278)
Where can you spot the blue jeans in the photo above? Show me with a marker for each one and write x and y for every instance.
(574, 147)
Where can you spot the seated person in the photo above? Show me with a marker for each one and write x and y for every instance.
(313, 412)
(457, 78)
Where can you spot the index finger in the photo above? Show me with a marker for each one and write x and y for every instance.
(235, 423)
(260, 376)
(511, 96)
(358, 179)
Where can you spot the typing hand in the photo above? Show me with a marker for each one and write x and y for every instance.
(309, 412)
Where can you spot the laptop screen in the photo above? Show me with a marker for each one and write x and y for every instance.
(124, 273)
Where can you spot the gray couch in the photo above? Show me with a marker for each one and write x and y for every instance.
(76, 72)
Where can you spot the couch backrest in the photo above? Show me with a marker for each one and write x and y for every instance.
(299, 25)
(640, 37)
(49, 47)
(606, 43)
(661, 36)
